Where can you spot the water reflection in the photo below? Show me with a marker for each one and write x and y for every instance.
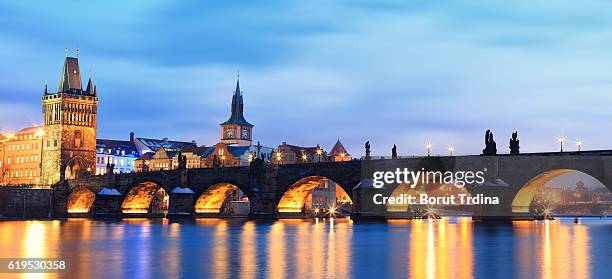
(562, 250)
(446, 248)
(440, 249)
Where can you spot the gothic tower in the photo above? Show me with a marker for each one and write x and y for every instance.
(236, 130)
(69, 120)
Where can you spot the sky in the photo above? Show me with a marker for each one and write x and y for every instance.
(312, 72)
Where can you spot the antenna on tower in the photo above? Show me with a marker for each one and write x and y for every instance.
(66, 48)
(77, 52)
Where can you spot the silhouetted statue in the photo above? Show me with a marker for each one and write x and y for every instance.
(367, 148)
(182, 160)
(490, 146)
(259, 155)
(216, 161)
(514, 144)
(394, 152)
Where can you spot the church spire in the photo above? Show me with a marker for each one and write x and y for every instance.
(237, 116)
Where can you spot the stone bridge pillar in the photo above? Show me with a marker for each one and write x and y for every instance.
(493, 187)
(263, 186)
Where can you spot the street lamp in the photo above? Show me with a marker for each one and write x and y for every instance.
(451, 149)
(304, 157)
(278, 157)
(579, 144)
(428, 146)
(250, 157)
(222, 160)
(561, 139)
(319, 153)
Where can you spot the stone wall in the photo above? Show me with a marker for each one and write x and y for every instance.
(26, 202)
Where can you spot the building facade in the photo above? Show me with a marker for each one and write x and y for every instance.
(69, 127)
(120, 154)
(21, 156)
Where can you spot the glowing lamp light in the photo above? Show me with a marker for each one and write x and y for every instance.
(304, 157)
(561, 139)
(451, 149)
(319, 152)
(579, 144)
(39, 133)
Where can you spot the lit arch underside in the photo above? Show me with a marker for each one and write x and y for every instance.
(211, 201)
(80, 201)
(402, 189)
(294, 199)
(431, 189)
(139, 198)
(522, 200)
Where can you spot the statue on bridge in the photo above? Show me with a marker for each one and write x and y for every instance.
(182, 160)
(394, 152)
(514, 144)
(367, 150)
(490, 146)
(216, 162)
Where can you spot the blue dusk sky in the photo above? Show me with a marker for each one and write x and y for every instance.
(403, 72)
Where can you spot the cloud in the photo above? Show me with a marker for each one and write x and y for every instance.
(402, 72)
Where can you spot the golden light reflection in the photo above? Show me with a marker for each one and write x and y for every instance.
(80, 201)
(248, 251)
(221, 262)
(563, 250)
(276, 251)
(441, 249)
(211, 201)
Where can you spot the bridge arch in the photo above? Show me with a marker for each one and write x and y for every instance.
(74, 167)
(80, 201)
(436, 190)
(531, 191)
(294, 198)
(216, 198)
(146, 197)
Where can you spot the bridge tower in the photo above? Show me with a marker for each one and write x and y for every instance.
(236, 130)
(69, 121)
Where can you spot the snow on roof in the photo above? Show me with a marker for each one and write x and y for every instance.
(365, 184)
(109, 192)
(181, 190)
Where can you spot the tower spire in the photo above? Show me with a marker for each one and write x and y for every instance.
(70, 80)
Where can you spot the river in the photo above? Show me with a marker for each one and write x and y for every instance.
(447, 248)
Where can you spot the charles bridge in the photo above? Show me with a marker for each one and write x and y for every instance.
(280, 191)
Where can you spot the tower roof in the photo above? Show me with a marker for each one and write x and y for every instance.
(237, 116)
(70, 81)
(338, 149)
